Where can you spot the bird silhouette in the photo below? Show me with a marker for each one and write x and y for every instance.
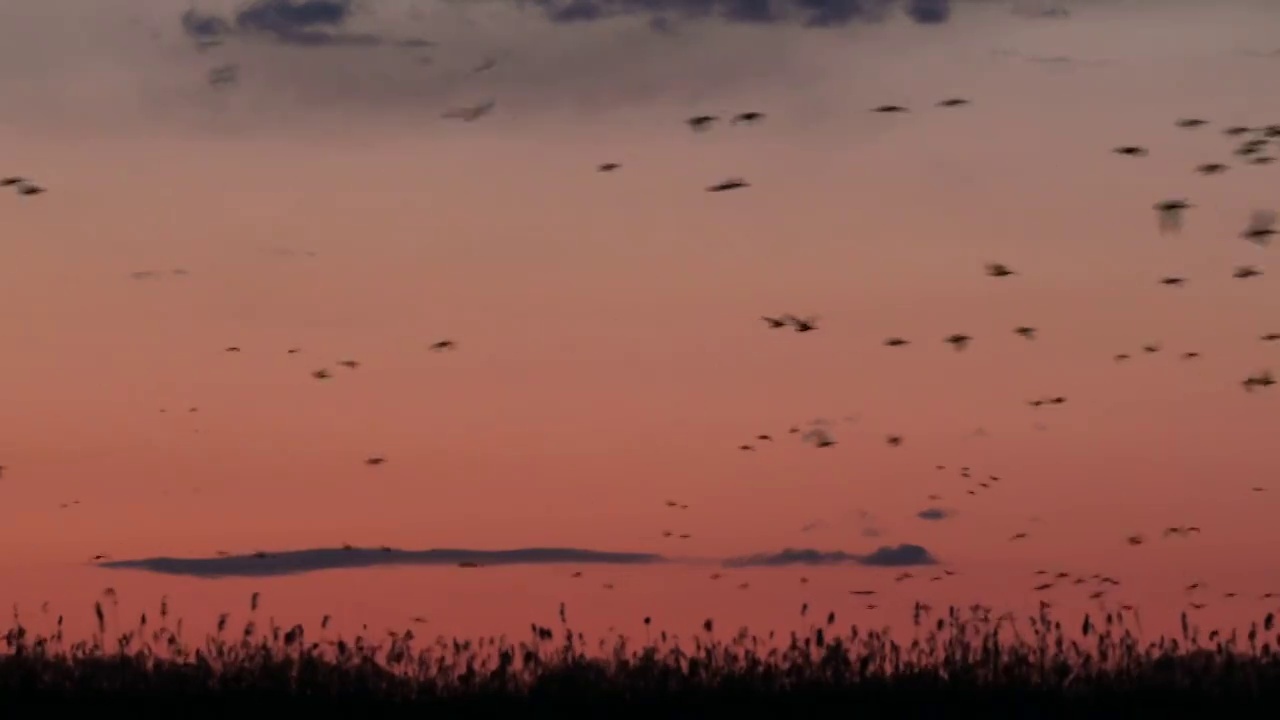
(1260, 380)
(1261, 227)
(747, 118)
(730, 184)
(471, 113)
(1170, 214)
(818, 438)
(959, 341)
(607, 167)
(321, 374)
(953, 102)
(889, 109)
(998, 270)
(699, 123)
(1025, 331)
(802, 324)
(896, 342)
(1130, 150)
(775, 322)
(1245, 271)
(1191, 123)
(1173, 281)
(1211, 168)
(443, 345)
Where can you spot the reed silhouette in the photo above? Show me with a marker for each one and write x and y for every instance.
(962, 660)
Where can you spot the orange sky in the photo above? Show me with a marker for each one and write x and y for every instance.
(610, 353)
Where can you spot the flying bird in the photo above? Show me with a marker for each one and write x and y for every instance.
(889, 109)
(803, 324)
(1170, 214)
(1211, 168)
(775, 322)
(472, 113)
(607, 167)
(998, 270)
(819, 438)
(699, 123)
(747, 118)
(959, 341)
(1245, 271)
(896, 342)
(1261, 228)
(1191, 123)
(1130, 150)
(1025, 331)
(953, 102)
(1173, 281)
(442, 345)
(1260, 380)
(730, 184)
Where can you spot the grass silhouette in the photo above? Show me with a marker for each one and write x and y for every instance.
(964, 661)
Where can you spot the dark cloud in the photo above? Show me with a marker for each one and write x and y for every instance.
(322, 22)
(294, 562)
(301, 561)
(291, 22)
(886, 556)
(935, 514)
(899, 555)
(929, 12)
(810, 13)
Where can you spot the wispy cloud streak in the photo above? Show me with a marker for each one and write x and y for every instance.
(295, 562)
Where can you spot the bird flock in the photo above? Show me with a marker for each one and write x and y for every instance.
(1252, 147)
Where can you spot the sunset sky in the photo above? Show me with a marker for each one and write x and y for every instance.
(610, 351)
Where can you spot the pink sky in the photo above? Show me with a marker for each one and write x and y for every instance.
(610, 353)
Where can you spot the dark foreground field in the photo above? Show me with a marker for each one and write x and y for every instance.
(964, 663)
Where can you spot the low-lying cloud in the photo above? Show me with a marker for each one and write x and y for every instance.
(294, 562)
(886, 556)
(935, 514)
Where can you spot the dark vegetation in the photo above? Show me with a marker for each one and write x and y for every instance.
(964, 662)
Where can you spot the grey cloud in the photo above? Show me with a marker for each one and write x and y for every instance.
(898, 556)
(321, 22)
(886, 556)
(301, 561)
(935, 514)
(291, 22)
(294, 562)
(808, 13)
